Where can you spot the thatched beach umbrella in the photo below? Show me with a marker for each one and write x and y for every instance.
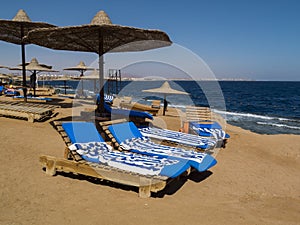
(166, 89)
(81, 67)
(101, 36)
(14, 30)
(35, 67)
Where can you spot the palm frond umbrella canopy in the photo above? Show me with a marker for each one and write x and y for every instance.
(166, 89)
(81, 67)
(100, 36)
(35, 67)
(14, 30)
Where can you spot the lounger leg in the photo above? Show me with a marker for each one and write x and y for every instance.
(67, 153)
(30, 118)
(145, 187)
(145, 191)
(50, 168)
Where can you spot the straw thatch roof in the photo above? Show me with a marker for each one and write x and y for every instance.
(11, 29)
(34, 65)
(80, 66)
(100, 36)
(166, 89)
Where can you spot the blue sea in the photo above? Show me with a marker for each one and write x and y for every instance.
(262, 107)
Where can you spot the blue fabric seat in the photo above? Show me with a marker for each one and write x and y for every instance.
(131, 139)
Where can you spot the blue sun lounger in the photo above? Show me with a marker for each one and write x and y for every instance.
(131, 139)
(206, 129)
(192, 140)
(88, 143)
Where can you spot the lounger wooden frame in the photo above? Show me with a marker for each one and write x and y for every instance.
(140, 107)
(31, 111)
(73, 163)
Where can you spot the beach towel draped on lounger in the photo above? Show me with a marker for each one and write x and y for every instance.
(213, 129)
(88, 143)
(179, 137)
(131, 139)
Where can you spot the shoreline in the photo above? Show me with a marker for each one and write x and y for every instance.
(254, 182)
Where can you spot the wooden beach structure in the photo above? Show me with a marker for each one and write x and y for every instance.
(30, 111)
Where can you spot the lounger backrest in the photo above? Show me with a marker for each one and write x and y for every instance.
(82, 132)
(124, 131)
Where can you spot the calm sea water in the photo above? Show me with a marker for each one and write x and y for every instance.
(262, 107)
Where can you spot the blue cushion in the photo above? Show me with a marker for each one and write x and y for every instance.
(82, 132)
(124, 131)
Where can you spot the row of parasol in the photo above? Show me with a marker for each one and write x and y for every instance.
(100, 37)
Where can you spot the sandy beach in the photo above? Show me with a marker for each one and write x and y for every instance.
(256, 181)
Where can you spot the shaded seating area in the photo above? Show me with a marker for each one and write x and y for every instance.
(179, 138)
(129, 138)
(91, 156)
(30, 111)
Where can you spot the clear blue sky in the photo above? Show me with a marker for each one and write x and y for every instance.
(258, 39)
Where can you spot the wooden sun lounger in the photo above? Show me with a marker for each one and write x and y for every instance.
(140, 107)
(73, 163)
(30, 111)
(156, 104)
(194, 113)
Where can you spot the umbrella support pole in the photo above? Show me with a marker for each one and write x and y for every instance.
(100, 107)
(23, 65)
